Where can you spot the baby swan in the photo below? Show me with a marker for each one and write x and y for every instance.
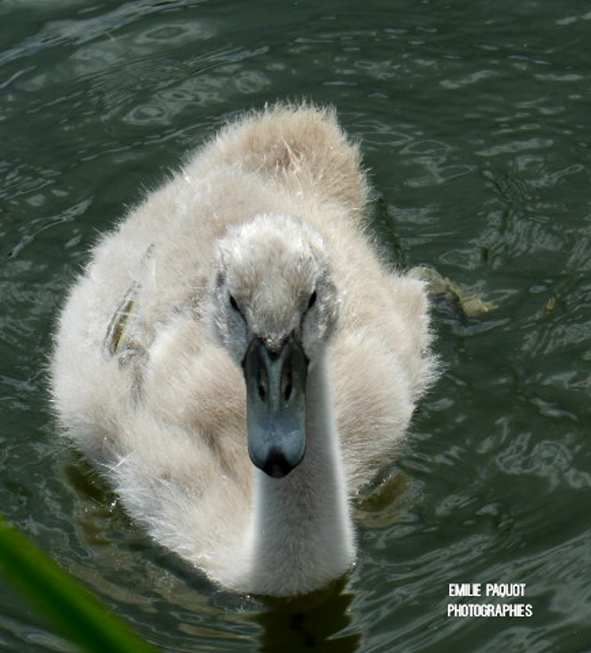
(238, 361)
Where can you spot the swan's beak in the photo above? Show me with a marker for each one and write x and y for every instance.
(276, 405)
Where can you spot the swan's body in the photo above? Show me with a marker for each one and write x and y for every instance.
(259, 239)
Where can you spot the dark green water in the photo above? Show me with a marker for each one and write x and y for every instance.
(475, 122)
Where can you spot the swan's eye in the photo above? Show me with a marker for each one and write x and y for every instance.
(312, 300)
(234, 303)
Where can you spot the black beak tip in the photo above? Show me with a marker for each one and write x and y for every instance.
(276, 465)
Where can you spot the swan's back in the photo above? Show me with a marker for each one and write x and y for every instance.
(140, 384)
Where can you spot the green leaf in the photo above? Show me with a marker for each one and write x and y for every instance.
(65, 603)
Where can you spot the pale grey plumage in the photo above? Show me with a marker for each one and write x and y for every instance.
(146, 371)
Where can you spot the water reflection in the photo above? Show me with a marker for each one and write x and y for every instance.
(314, 622)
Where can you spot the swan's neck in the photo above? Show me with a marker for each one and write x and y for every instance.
(303, 536)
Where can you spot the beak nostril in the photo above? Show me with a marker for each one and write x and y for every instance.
(288, 392)
(288, 385)
(262, 383)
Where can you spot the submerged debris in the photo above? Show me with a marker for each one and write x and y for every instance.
(550, 305)
(379, 504)
(469, 303)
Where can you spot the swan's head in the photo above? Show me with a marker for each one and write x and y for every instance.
(274, 307)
